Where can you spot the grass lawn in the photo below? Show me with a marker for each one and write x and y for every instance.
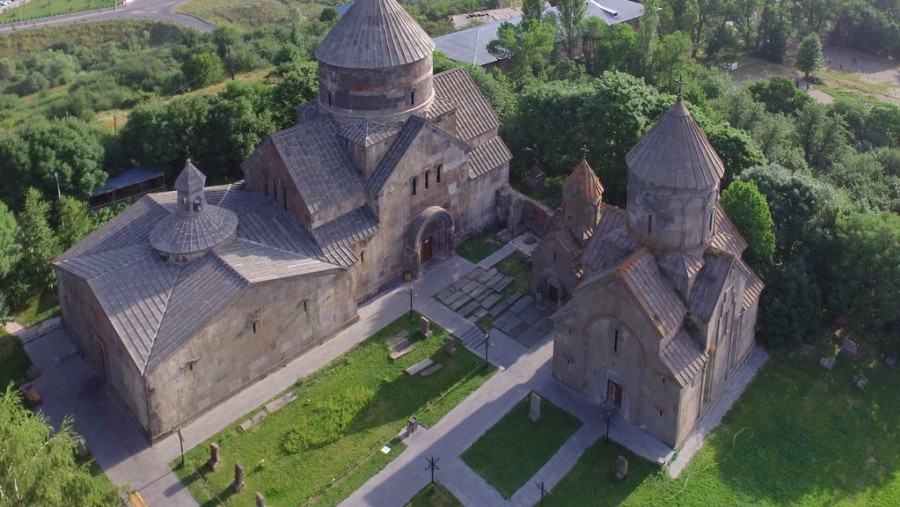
(243, 14)
(478, 247)
(511, 452)
(43, 8)
(800, 435)
(318, 449)
(38, 308)
(13, 360)
(438, 497)
(516, 266)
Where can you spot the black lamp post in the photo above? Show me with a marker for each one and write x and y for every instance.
(411, 296)
(487, 347)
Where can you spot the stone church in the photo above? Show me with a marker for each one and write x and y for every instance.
(189, 296)
(657, 309)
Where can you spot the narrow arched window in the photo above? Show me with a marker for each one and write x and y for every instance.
(616, 341)
(427, 174)
(329, 98)
(415, 181)
(412, 98)
(649, 224)
(711, 217)
(437, 176)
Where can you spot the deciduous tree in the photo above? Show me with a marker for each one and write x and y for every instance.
(748, 210)
(809, 55)
(39, 244)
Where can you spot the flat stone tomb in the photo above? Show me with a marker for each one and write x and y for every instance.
(418, 367)
(400, 345)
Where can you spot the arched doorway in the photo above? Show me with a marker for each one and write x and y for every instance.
(551, 288)
(430, 237)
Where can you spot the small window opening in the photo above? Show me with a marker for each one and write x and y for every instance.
(711, 216)
(616, 341)
(305, 307)
(415, 182)
(362, 256)
(554, 256)
(664, 380)
(660, 413)
(427, 174)
(254, 327)
(412, 98)
(437, 177)
(329, 98)
(649, 224)
(198, 204)
(191, 366)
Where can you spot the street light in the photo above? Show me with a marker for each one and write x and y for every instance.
(609, 413)
(487, 346)
(411, 296)
(58, 193)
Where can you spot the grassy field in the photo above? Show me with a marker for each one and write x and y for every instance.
(516, 266)
(332, 435)
(16, 45)
(511, 452)
(241, 13)
(38, 308)
(800, 435)
(437, 497)
(13, 360)
(43, 8)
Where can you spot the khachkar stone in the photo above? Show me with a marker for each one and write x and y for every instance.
(450, 345)
(621, 467)
(260, 500)
(213, 456)
(535, 413)
(238, 477)
(425, 326)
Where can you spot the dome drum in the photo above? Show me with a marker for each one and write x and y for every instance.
(671, 219)
(385, 94)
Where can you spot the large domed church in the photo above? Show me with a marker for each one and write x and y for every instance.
(189, 296)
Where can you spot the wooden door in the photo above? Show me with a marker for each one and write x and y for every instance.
(614, 393)
(552, 294)
(427, 248)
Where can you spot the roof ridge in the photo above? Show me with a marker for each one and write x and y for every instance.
(162, 318)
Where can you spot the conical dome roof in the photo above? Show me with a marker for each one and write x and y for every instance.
(374, 34)
(583, 183)
(675, 154)
(190, 179)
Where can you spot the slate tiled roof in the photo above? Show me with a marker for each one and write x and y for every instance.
(675, 154)
(655, 296)
(681, 266)
(190, 179)
(727, 237)
(611, 218)
(198, 232)
(488, 156)
(440, 106)
(604, 250)
(753, 286)
(582, 184)
(709, 285)
(348, 229)
(155, 305)
(683, 357)
(367, 133)
(320, 167)
(374, 34)
(474, 115)
(392, 156)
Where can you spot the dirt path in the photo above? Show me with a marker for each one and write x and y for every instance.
(845, 69)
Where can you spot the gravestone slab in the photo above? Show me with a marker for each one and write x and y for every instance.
(891, 362)
(260, 500)
(431, 370)
(463, 300)
(424, 326)
(259, 416)
(398, 338)
(491, 300)
(512, 298)
(849, 348)
(246, 425)
(469, 308)
(450, 345)
(827, 362)
(402, 349)
(238, 477)
(621, 467)
(213, 461)
(862, 382)
(504, 282)
(498, 308)
(418, 367)
(535, 413)
(280, 403)
(521, 304)
(479, 313)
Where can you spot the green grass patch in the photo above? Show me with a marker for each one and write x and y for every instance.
(332, 435)
(593, 479)
(15, 45)
(437, 496)
(38, 308)
(800, 435)
(43, 8)
(511, 452)
(516, 266)
(478, 247)
(13, 360)
(243, 14)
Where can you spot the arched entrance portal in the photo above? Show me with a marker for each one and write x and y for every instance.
(430, 237)
(551, 288)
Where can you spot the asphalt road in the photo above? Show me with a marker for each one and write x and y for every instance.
(158, 10)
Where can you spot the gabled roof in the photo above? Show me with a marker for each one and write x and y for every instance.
(753, 286)
(727, 237)
(374, 34)
(488, 156)
(392, 157)
(683, 357)
(582, 184)
(710, 283)
(474, 115)
(675, 154)
(154, 305)
(367, 133)
(336, 237)
(320, 167)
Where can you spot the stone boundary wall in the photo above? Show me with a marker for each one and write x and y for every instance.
(522, 213)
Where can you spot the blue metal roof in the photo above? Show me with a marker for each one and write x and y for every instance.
(127, 178)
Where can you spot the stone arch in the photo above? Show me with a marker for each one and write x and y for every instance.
(551, 287)
(430, 236)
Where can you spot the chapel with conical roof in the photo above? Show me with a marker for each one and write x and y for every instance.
(664, 310)
(189, 296)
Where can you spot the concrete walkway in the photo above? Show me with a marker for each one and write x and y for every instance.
(732, 392)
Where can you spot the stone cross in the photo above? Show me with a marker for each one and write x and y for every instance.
(260, 500)
(450, 345)
(238, 477)
(424, 326)
(621, 467)
(535, 413)
(213, 456)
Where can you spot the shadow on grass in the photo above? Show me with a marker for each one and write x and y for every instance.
(593, 479)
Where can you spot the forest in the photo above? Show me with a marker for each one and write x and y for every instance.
(814, 187)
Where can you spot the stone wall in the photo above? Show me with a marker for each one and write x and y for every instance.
(268, 325)
(522, 213)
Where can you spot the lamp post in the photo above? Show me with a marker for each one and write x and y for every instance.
(411, 296)
(56, 176)
(181, 441)
(609, 413)
(487, 346)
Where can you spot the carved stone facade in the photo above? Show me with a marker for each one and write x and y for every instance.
(664, 311)
(189, 296)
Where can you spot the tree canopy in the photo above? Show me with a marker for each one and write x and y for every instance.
(748, 210)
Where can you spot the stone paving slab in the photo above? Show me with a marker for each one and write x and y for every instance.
(513, 298)
(456, 305)
(445, 294)
(519, 330)
(491, 300)
(486, 275)
(498, 309)
(469, 287)
(509, 323)
(531, 314)
(521, 304)
(480, 290)
(479, 313)
(469, 308)
(503, 283)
